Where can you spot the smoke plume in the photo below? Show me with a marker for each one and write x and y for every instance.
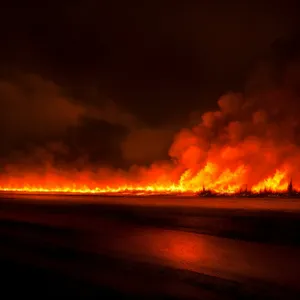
(251, 140)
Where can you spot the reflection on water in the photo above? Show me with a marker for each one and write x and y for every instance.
(201, 253)
(232, 259)
(181, 250)
(276, 204)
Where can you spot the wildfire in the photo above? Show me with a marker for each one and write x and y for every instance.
(237, 148)
(188, 184)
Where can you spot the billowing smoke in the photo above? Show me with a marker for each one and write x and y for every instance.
(33, 106)
(241, 138)
(145, 145)
(251, 140)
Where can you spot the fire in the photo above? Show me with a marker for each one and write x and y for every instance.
(228, 182)
(278, 182)
(238, 148)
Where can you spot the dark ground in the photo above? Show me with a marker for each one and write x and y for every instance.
(91, 247)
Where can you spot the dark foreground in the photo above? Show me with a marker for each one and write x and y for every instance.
(89, 247)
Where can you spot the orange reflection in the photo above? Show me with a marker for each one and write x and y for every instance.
(220, 257)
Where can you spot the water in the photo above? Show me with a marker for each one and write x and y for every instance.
(242, 240)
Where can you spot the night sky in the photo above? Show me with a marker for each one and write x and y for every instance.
(110, 82)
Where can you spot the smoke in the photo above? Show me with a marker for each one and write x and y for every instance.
(146, 145)
(251, 139)
(253, 134)
(36, 111)
(33, 106)
(111, 113)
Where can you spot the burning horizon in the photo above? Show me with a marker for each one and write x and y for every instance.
(242, 145)
(93, 85)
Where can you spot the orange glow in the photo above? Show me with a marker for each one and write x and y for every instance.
(229, 151)
(209, 177)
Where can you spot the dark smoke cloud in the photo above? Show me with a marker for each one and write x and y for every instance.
(36, 110)
(257, 130)
(111, 113)
(146, 145)
(33, 106)
(43, 125)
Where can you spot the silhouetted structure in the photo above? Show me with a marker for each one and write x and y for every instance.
(290, 188)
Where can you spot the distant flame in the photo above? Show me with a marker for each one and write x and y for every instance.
(238, 148)
(228, 182)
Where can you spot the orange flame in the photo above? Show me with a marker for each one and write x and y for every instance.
(227, 181)
(231, 150)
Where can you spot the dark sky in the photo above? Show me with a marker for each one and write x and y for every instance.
(111, 81)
